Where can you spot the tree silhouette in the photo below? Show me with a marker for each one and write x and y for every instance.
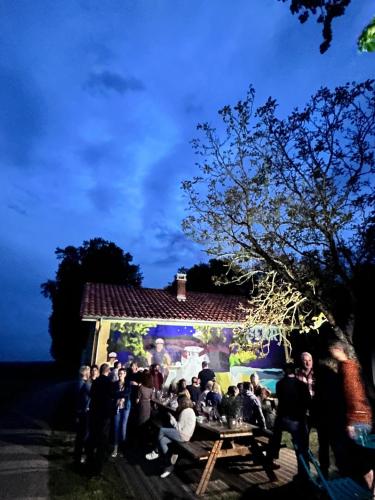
(324, 10)
(216, 276)
(96, 261)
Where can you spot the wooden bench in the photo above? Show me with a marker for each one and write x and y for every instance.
(210, 451)
(200, 450)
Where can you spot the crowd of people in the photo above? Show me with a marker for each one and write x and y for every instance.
(331, 399)
(112, 399)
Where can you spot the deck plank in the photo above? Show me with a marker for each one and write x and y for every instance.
(232, 477)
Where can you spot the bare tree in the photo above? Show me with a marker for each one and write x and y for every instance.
(290, 200)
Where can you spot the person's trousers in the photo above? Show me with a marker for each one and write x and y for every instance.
(120, 425)
(81, 435)
(97, 446)
(300, 437)
(166, 436)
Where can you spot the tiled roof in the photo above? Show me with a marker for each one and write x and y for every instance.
(118, 301)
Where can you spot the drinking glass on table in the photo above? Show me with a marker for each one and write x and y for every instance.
(240, 418)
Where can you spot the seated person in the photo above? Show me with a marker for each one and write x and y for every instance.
(182, 429)
(240, 387)
(182, 388)
(203, 396)
(231, 403)
(268, 407)
(194, 390)
(213, 397)
(252, 410)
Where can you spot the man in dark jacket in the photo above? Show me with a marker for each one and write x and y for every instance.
(101, 412)
(205, 375)
(194, 390)
(293, 404)
(82, 415)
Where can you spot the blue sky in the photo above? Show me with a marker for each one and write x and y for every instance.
(99, 100)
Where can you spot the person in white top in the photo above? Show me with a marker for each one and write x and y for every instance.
(182, 429)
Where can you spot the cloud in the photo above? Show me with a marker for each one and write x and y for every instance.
(105, 198)
(96, 154)
(17, 208)
(192, 106)
(22, 121)
(107, 81)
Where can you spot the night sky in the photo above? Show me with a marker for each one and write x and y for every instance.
(98, 102)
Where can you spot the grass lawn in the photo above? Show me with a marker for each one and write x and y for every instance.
(67, 483)
(287, 441)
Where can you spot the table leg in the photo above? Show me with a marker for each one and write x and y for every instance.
(202, 486)
(257, 452)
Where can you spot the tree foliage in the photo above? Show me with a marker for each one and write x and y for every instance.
(96, 261)
(216, 276)
(324, 10)
(291, 199)
(366, 42)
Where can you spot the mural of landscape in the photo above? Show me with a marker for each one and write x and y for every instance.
(181, 349)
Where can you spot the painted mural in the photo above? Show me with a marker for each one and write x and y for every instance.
(180, 351)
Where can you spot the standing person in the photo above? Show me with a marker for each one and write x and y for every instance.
(157, 377)
(113, 376)
(144, 395)
(101, 411)
(293, 404)
(112, 358)
(182, 429)
(194, 390)
(316, 418)
(133, 379)
(83, 405)
(94, 372)
(205, 375)
(330, 413)
(358, 413)
(254, 381)
(306, 372)
(122, 410)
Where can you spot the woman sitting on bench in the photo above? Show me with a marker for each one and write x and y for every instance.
(181, 431)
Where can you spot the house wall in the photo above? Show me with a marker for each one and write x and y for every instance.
(185, 347)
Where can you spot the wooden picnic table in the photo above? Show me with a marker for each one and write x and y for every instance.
(222, 442)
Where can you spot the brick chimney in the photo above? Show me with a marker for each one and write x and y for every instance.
(181, 286)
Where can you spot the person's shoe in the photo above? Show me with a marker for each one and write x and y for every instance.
(167, 472)
(174, 458)
(114, 454)
(153, 455)
(82, 460)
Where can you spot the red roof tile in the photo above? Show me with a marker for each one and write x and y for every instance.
(118, 301)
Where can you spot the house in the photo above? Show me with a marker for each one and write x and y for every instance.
(176, 330)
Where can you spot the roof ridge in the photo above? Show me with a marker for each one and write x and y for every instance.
(127, 302)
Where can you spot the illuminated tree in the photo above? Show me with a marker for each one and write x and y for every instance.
(290, 201)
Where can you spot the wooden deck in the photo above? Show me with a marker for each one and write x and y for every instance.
(232, 479)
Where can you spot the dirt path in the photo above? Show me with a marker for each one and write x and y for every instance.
(27, 440)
